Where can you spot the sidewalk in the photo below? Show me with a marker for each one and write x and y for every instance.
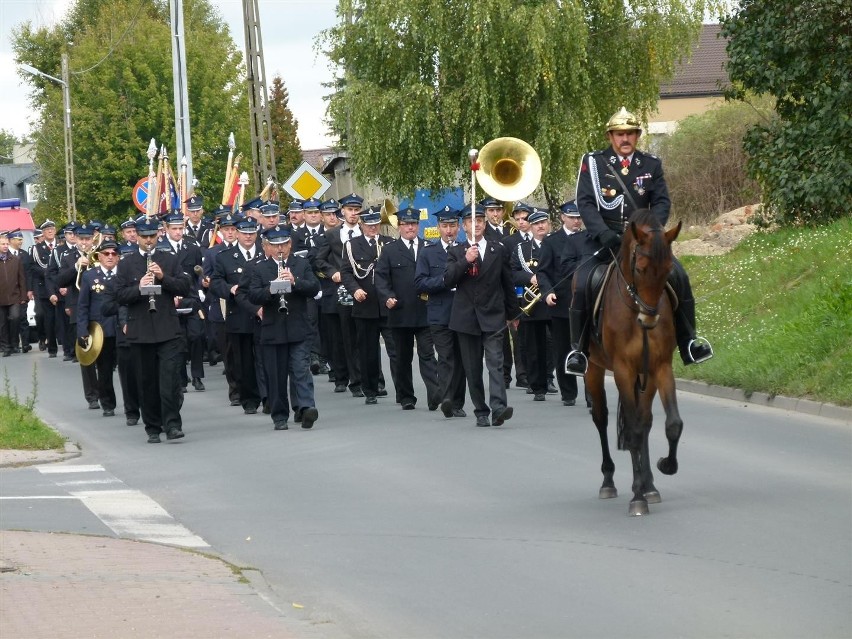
(75, 586)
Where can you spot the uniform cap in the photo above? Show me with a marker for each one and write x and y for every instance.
(173, 219)
(195, 203)
(296, 205)
(408, 215)
(311, 204)
(353, 199)
(108, 244)
(371, 216)
(129, 224)
(467, 211)
(146, 228)
(490, 203)
(537, 215)
(256, 203)
(227, 220)
(247, 225)
(522, 206)
(570, 209)
(270, 210)
(85, 230)
(447, 214)
(277, 235)
(330, 206)
(47, 224)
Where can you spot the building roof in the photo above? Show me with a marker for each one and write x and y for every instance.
(704, 74)
(317, 157)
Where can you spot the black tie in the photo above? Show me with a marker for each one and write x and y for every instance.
(372, 242)
(351, 232)
(248, 256)
(411, 248)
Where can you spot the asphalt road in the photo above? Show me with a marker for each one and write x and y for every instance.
(384, 523)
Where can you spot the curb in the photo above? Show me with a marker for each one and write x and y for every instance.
(19, 458)
(794, 404)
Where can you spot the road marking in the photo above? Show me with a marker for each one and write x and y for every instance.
(23, 497)
(131, 513)
(82, 468)
(89, 482)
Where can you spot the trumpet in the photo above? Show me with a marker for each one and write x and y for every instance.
(92, 256)
(532, 296)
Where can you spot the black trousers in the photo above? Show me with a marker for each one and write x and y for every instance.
(450, 369)
(331, 344)
(404, 340)
(532, 335)
(560, 329)
(128, 378)
(348, 336)
(473, 348)
(100, 372)
(158, 367)
(9, 316)
(241, 346)
(368, 331)
(288, 367)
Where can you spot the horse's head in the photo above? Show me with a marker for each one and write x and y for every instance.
(646, 261)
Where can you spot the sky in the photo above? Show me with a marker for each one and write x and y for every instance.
(288, 30)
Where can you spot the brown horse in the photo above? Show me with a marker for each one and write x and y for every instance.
(636, 342)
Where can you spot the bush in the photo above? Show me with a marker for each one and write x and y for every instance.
(705, 163)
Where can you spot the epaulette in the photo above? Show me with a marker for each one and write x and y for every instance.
(646, 154)
(598, 152)
(427, 243)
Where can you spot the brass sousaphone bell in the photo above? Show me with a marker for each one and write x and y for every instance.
(90, 353)
(510, 169)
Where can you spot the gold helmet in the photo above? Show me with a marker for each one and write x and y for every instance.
(624, 120)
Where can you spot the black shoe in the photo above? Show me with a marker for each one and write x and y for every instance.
(94, 405)
(324, 369)
(65, 358)
(340, 388)
(539, 397)
(183, 389)
(508, 384)
(358, 393)
(569, 402)
(74, 360)
(371, 400)
(236, 402)
(154, 439)
(309, 416)
(458, 412)
(7, 353)
(109, 412)
(26, 348)
(266, 408)
(577, 363)
(250, 410)
(530, 391)
(42, 345)
(522, 383)
(315, 368)
(297, 415)
(174, 433)
(51, 355)
(483, 421)
(381, 393)
(447, 408)
(551, 389)
(408, 406)
(698, 350)
(433, 407)
(499, 417)
(197, 384)
(132, 421)
(280, 426)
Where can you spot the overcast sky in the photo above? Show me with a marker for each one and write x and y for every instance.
(288, 30)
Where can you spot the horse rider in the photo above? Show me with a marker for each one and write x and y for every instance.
(612, 184)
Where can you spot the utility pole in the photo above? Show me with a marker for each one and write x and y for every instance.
(262, 152)
(70, 194)
(183, 138)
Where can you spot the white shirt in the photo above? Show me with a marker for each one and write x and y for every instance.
(344, 232)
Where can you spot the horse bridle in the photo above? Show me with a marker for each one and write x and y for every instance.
(648, 315)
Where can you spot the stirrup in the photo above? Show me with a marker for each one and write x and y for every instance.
(568, 371)
(699, 341)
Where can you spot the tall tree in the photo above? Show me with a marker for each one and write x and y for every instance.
(425, 80)
(285, 134)
(8, 140)
(800, 52)
(121, 97)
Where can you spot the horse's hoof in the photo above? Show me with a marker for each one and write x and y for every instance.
(607, 492)
(638, 508)
(653, 497)
(667, 467)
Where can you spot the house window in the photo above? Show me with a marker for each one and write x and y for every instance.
(34, 192)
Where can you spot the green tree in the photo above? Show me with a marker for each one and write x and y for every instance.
(121, 97)
(7, 142)
(285, 135)
(799, 52)
(425, 80)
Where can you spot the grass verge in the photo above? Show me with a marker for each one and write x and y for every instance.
(778, 311)
(20, 427)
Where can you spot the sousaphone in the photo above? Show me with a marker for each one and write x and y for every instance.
(90, 353)
(509, 169)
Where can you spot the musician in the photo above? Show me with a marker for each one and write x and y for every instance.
(613, 183)
(284, 330)
(228, 269)
(128, 234)
(532, 331)
(495, 228)
(72, 264)
(108, 233)
(196, 227)
(328, 320)
(329, 262)
(407, 312)
(154, 331)
(512, 349)
(555, 275)
(90, 308)
(484, 301)
(45, 310)
(13, 293)
(270, 216)
(21, 330)
(357, 274)
(296, 214)
(58, 293)
(429, 281)
(304, 241)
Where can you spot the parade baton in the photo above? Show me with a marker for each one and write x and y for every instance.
(149, 203)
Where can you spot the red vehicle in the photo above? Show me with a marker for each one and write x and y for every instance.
(13, 217)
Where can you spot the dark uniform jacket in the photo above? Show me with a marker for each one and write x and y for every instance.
(228, 268)
(302, 240)
(551, 274)
(143, 326)
(197, 235)
(395, 278)
(292, 326)
(429, 279)
(528, 254)
(94, 301)
(40, 254)
(483, 302)
(491, 233)
(361, 276)
(66, 277)
(602, 200)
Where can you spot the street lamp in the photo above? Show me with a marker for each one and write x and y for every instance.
(70, 196)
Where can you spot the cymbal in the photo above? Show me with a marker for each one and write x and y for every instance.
(88, 355)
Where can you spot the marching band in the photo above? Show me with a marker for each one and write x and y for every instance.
(281, 298)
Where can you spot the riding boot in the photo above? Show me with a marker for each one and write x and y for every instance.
(693, 349)
(577, 362)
